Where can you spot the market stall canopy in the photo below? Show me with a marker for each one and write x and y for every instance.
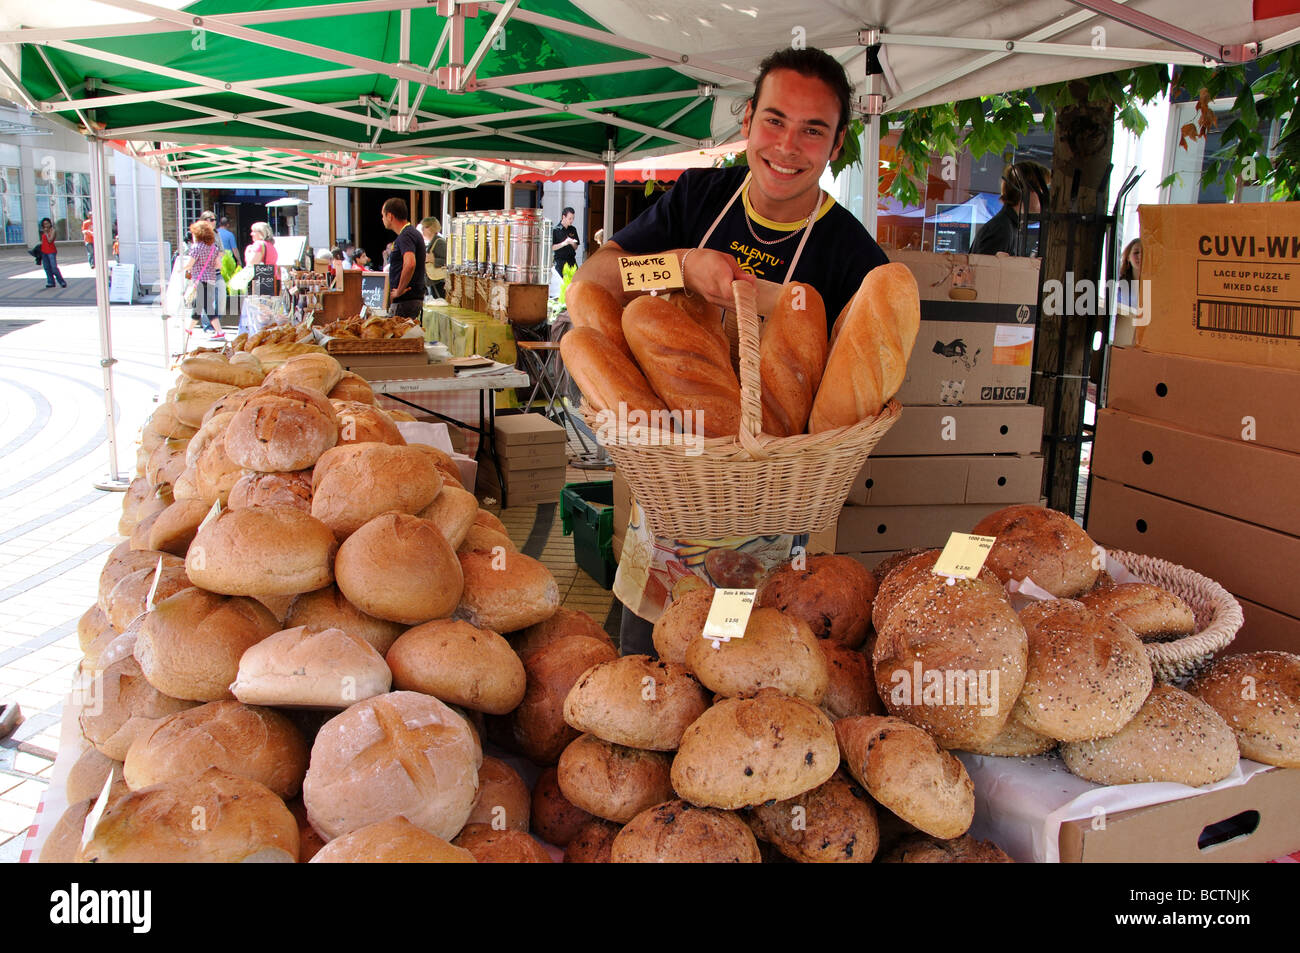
(559, 80)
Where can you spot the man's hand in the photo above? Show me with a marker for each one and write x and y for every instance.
(710, 273)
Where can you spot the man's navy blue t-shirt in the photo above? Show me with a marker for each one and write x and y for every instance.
(839, 253)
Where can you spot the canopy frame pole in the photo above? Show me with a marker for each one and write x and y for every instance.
(873, 106)
(609, 157)
(467, 75)
(1163, 30)
(100, 209)
(162, 270)
(1078, 50)
(249, 87)
(705, 93)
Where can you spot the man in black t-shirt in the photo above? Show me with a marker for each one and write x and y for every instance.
(405, 264)
(564, 242)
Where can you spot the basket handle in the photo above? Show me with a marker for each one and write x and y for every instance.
(751, 387)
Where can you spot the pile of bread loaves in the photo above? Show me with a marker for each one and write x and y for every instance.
(670, 353)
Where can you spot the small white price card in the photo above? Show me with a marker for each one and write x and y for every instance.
(729, 614)
(662, 272)
(964, 556)
(153, 589)
(98, 809)
(212, 514)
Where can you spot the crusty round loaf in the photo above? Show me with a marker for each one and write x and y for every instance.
(129, 598)
(191, 643)
(281, 429)
(140, 535)
(63, 842)
(636, 701)
(87, 775)
(681, 624)
(165, 422)
(613, 781)
(483, 517)
(262, 551)
(778, 651)
(1174, 737)
(452, 511)
(270, 489)
(902, 768)
(501, 847)
(1087, 674)
(92, 629)
(232, 402)
(353, 387)
(315, 371)
(329, 609)
(1154, 614)
(400, 753)
(1014, 741)
(273, 355)
(123, 561)
(564, 623)
(536, 728)
(480, 539)
(916, 568)
(255, 743)
(393, 841)
(1044, 545)
(744, 751)
(361, 422)
(832, 594)
(166, 462)
(135, 496)
(952, 659)
(309, 840)
(503, 798)
(677, 832)
(850, 686)
(193, 398)
(174, 529)
(214, 473)
(186, 485)
(593, 843)
(554, 818)
(354, 483)
(834, 823)
(302, 667)
(506, 591)
(460, 664)
(399, 567)
(1258, 695)
(213, 817)
(890, 563)
(923, 849)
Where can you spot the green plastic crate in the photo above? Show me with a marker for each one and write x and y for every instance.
(592, 528)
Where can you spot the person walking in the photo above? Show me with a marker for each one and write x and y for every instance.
(202, 268)
(405, 262)
(49, 255)
(88, 239)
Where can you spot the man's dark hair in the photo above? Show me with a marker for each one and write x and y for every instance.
(224, 221)
(1022, 179)
(568, 210)
(813, 63)
(397, 208)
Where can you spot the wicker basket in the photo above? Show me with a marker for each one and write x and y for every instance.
(374, 345)
(1218, 616)
(750, 484)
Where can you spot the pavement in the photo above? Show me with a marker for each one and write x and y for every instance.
(56, 528)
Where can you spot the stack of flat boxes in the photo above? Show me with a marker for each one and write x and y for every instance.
(533, 456)
(1197, 456)
(968, 442)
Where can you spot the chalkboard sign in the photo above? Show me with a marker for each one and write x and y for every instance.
(374, 289)
(263, 282)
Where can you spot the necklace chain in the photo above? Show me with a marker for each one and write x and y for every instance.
(776, 241)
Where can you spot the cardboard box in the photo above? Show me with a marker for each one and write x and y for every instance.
(528, 486)
(533, 456)
(1225, 281)
(862, 529)
(1232, 400)
(928, 480)
(1253, 483)
(403, 372)
(1248, 560)
(521, 469)
(516, 430)
(958, 430)
(622, 509)
(976, 341)
(1265, 629)
(1169, 832)
(513, 301)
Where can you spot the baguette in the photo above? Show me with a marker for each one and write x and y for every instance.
(868, 361)
(688, 367)
(792, 358)
(604, 374)
(590, 305)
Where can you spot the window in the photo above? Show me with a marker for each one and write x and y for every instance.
(11, 205)
(63, 198)
(193, 207)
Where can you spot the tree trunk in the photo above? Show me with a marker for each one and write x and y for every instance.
(1071, 256)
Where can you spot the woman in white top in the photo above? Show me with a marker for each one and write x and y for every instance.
(261, 252)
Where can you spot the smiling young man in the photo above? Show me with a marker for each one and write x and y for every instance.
(768, 220)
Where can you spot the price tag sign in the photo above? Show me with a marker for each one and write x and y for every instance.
(729, 614)
(153, 589)
(212, 514)
(661, 272)
(964, 556)
(98, 809)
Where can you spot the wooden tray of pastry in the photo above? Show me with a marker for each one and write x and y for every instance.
(374, 345)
